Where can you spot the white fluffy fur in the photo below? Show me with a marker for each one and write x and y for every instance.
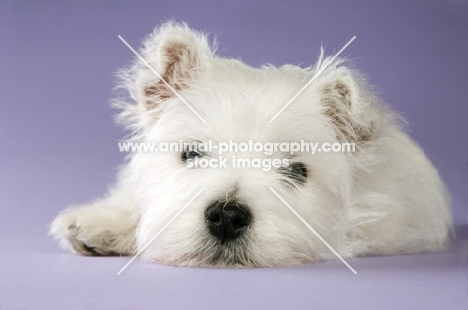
(386, 198)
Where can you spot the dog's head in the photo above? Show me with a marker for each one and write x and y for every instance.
(238, 220)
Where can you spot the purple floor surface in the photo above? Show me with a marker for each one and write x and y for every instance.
(35, 275)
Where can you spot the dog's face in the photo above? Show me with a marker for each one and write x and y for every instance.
(238, 220)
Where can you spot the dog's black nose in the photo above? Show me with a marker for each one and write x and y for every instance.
(227, 220)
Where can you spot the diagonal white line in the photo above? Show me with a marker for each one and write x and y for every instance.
(311, 80)
(162, 229)
(313, 230)
(160, 77)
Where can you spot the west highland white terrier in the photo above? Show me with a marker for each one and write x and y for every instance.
(384, 198)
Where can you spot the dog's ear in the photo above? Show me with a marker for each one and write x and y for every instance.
(179, 55)
(350, 105)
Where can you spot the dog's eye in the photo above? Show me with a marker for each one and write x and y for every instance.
(296, 172)
(190, 154)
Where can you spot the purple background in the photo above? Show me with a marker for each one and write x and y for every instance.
(58, 145)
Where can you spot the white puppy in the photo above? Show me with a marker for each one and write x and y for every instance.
(384, 198)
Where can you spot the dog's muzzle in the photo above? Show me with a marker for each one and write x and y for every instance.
(227, 220)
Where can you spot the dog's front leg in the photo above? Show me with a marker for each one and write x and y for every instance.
(106, 227)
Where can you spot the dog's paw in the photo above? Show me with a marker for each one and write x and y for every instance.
(86, 232)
